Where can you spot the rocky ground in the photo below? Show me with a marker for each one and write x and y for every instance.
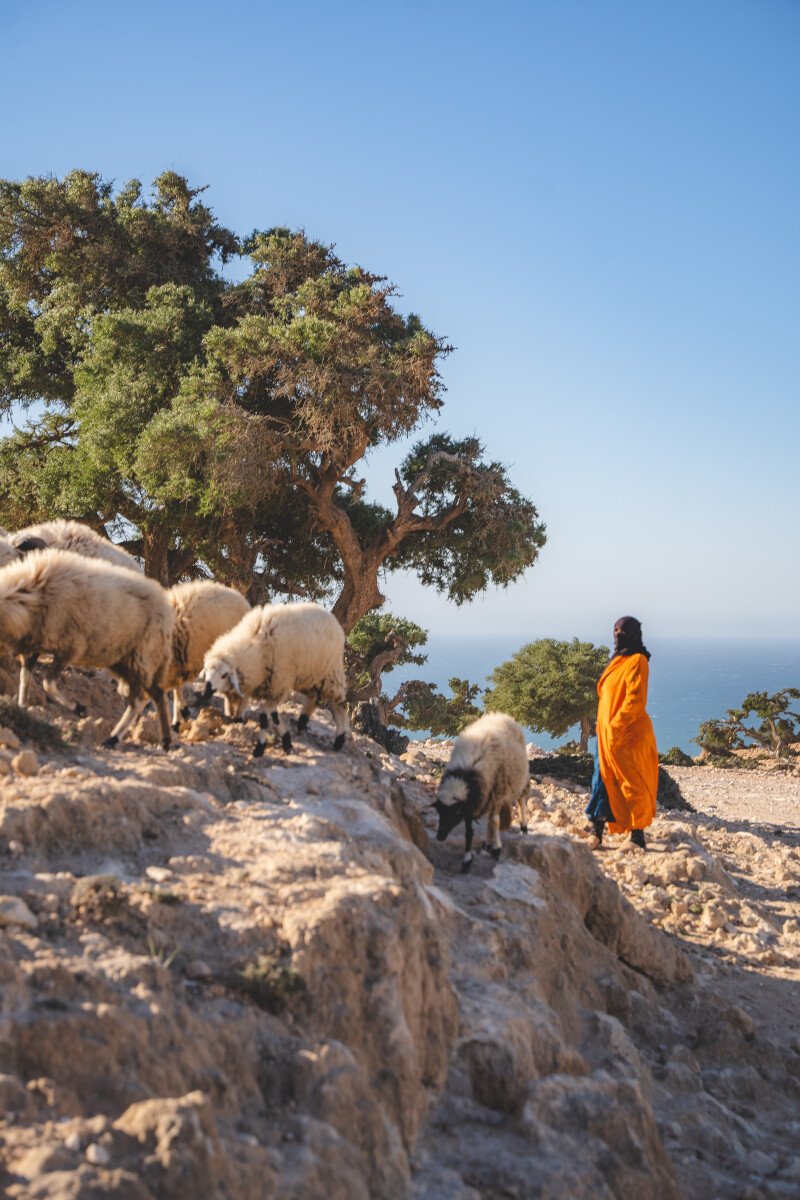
(231, 978)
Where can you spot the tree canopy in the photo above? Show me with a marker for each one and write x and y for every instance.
(221, 426)
(549, 686)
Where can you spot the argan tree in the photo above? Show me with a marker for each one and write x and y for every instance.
(223, 426)
(762, 718)
(549, 686)
(378, 644)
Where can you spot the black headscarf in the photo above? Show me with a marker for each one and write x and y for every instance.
(628, 638)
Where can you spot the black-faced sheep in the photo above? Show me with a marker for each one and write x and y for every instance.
(487, 775)
(88, 613)
(74, 536)
(276, 650)
(203, 611)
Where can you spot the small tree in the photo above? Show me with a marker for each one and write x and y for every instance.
(549, 686)
(375, 646)
(424, 707)
(379, 643)
(718, 740)
(778, 725)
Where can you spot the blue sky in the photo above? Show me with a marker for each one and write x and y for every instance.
(597, 203)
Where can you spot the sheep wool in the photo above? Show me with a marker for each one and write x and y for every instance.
(278, 649)
(487, 774)
(8, 553)
(88, 613)
(204, 610)
(74, 536)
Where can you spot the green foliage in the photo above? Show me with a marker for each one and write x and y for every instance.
(379, 632)
(572, 768)
(675, 757)
(423, 707)
(494, 534)
(270, 983)
(778, 726)
(221, 424)
(549, 686)
(377, 644)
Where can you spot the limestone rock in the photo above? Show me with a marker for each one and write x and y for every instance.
(14, 911)
(25, 763)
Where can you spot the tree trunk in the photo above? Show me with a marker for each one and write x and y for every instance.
(155, 552)
(585, 734)
(359, 593)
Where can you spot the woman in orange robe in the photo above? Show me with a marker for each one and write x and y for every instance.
(625, 786)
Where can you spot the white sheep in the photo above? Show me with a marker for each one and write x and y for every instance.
(203, 611)
(74, 536)
(487, 774)
(88, 613)
(278, 649)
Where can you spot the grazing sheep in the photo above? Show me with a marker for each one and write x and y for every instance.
(278, 649)
(487, 773)
(88, 613)
(203, 611)
(74, 536)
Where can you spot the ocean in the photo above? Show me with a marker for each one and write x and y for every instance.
(690, 680)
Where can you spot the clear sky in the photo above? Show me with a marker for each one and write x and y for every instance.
(597, 203)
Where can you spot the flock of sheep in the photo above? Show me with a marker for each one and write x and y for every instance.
(69, 593)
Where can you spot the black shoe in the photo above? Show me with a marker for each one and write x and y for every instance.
(599, 829)
(637, 838)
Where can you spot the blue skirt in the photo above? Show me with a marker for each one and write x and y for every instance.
(599, 807)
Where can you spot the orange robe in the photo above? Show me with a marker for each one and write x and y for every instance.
(626, 744)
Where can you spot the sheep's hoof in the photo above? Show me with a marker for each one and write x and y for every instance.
(523, 828)
(166, 743)
(81, 710)
(258, 750)
(186, 712)
(111, 742)
(176, 726)
(494, 851)
(466, 866)
(286, 742)
(302, 722)
(338, 741)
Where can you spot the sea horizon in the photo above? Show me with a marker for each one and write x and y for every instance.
(692, 679)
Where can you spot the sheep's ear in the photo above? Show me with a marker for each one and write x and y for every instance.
(235, 683)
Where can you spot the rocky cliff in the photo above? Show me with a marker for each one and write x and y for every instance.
(235, 978)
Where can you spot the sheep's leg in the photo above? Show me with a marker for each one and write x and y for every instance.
(495, 845)
(159, 697)
(281, 731)
(261, 736)
(233, 706)
(26, 665)
(466, 862)
(53, 691)
(179, 710)
(134, 709)
(309, 707)
(342, 723)
(522, 802)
